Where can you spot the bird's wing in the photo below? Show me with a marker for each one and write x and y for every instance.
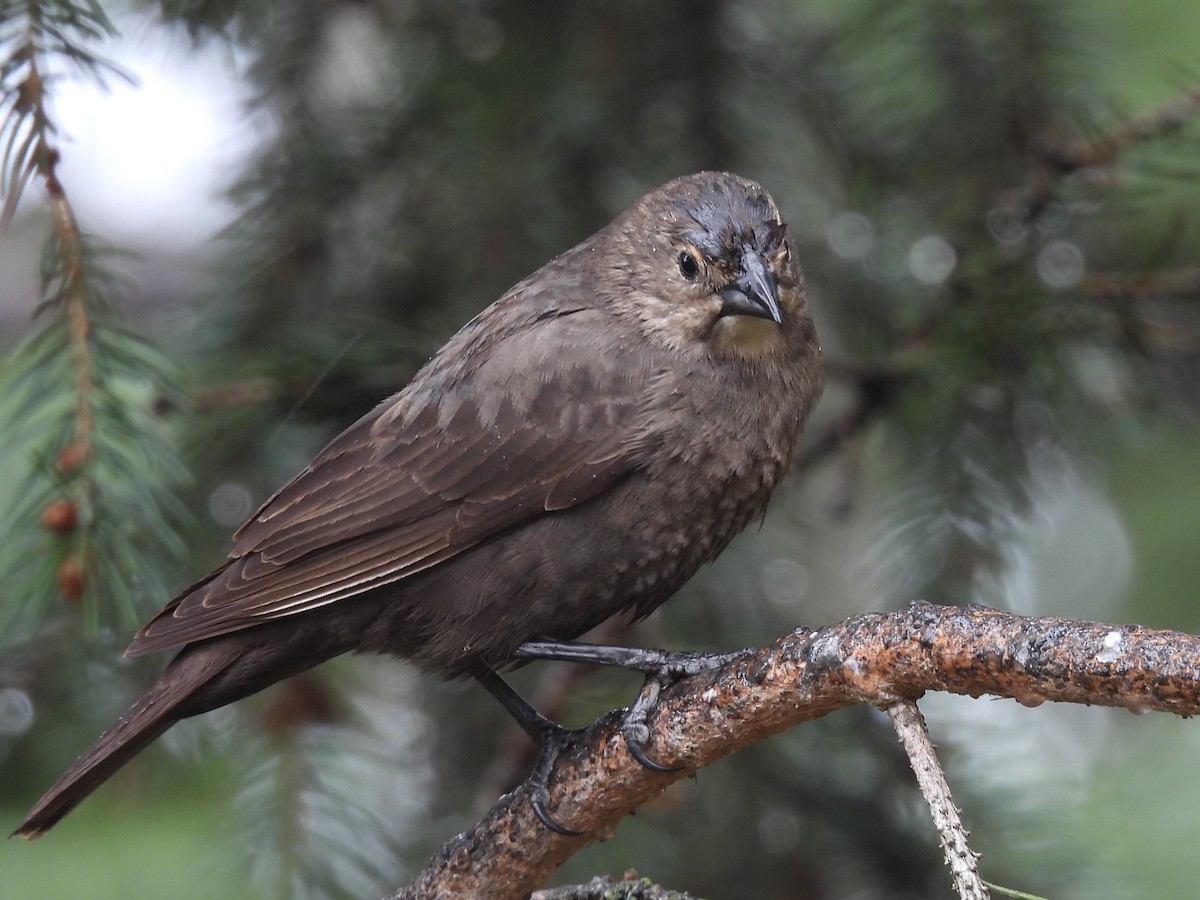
(463, 454)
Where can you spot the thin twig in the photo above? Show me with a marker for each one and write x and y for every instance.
(71, 295)
(1148, 284)
(962, 860)
(1170, 116)
(1057, 156)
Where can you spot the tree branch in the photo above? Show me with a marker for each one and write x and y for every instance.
(963, 861)
(605, 888)
(1057, 156)
(875, 658)
(1103, 149)
(1183, 282)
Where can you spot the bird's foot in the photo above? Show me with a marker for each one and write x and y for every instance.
(636, 727)
(552, 740)
(661, 667)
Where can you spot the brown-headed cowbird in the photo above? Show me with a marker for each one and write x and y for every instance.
(576, 451)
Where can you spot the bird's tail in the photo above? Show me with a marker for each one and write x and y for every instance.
(149, 717)
(133, 731)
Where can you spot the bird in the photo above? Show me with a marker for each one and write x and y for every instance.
(574, 452)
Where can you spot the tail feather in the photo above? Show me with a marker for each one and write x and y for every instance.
(151, 715)
(132, 733)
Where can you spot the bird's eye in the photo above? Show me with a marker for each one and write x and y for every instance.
(689, 266)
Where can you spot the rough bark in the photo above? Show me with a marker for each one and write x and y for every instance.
(875, 658)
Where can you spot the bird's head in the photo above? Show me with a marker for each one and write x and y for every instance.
(706, 259)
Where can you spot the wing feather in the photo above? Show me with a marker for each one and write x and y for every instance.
(430, 473)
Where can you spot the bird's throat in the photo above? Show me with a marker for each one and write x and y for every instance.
(747, 337)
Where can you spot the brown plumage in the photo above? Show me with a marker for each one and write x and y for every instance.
(577, 450)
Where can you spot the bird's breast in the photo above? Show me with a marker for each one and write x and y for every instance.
(722, 446)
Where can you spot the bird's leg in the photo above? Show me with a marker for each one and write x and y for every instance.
(550, 737)
(662, 668)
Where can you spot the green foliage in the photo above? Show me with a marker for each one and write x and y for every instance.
(32, 33)
(121, 489)
(326, 809)
(92, 470)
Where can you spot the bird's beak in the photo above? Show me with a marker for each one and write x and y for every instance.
(754, 293)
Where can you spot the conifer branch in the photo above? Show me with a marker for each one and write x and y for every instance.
(71, 384)
(879, 659)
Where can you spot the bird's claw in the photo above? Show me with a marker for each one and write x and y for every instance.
(539, 796)
(636, 728)
(553, 739)
(638, 752)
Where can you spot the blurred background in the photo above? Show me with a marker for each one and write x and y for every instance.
(285, 207)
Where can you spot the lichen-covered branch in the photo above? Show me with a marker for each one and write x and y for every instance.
(605, 888)
(875, 658)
